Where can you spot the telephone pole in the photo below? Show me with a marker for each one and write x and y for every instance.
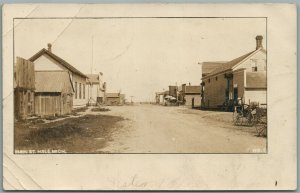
(92, 55)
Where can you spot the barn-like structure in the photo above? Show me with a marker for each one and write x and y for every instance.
(53, 93)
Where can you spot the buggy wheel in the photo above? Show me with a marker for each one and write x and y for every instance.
(237, 119)
(261, 129)
(249, 120)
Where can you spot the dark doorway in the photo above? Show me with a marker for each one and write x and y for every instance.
(235, 94)
(100, 100)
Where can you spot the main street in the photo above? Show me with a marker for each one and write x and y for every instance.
(160, 129)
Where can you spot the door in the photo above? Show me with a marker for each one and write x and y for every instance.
(235, 94)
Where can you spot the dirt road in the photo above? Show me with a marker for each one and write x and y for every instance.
(159, 129)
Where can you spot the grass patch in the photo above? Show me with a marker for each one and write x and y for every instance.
(100, 109)
(58, 132)
(78, 110)
(73, 135)
(51, 118)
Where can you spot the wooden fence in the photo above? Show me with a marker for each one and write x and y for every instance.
(24, 74)
(23, 88)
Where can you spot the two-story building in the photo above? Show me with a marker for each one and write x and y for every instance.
(46, 60)
(241, 78)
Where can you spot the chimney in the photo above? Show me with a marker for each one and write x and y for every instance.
(49, 47)
(259, 39)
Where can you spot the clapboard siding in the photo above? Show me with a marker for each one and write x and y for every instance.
(239, 82)
(189, 99)
(24, 74)
(23, 103)
(256, 95)
(215, 91)
(52, 104)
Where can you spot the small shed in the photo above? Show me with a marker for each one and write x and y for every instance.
(192, 95)
(53, 93)
(113, 99)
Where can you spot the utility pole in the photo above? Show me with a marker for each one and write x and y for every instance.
(176, 93)
(92, 55)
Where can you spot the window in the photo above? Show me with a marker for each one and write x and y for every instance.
(254, 69)
(29, 97)
(79, 90)
(75, 90)
(83, 91)
(209, 80)
(254, 65)
(216, 78)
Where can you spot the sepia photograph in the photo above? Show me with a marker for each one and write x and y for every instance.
(140, 85)
(149, 97)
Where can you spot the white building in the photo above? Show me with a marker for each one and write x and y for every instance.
(45, 60)
(97, 89)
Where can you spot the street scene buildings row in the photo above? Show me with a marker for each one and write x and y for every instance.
(45, 84)
(224, 84)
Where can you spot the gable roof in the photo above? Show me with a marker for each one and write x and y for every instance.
(93, 78)
(192, 89)
(256, 80)
(53, 81)
(112, 95)
(208, 67)
(58, 59)
(231, 64)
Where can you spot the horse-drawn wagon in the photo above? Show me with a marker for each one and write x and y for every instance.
(252, 114)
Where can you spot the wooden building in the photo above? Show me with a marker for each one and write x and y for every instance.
(96, 89)
(190, 95)
(113, 99)
(53, 93)
(241, 78)
(46, 60)
(24, 87)
(160, 97)
(173, 91)
(122, 99)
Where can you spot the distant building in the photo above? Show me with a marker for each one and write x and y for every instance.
(122, 99)
(173, 91)
(243, 77)
(53, 93)
(45, 60)
(114, 99)
(96, 89)
(189, 95)
(160, 97)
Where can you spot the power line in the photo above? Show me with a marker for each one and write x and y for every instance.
(68, 25)
(14, 27)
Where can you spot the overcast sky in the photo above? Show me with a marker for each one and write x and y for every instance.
(140, 56)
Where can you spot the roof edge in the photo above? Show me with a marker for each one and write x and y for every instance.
(254, 52)
(53, 56)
